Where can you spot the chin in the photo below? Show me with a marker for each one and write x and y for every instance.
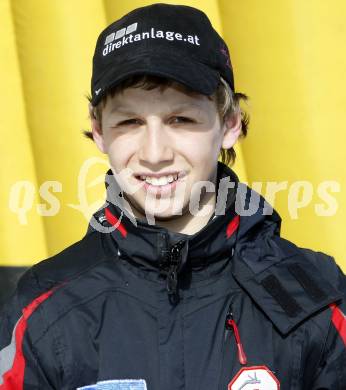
(168, 213)
(167, 217)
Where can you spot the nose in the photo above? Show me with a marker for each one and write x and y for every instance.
(156, 145)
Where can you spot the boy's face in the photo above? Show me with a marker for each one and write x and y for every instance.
(158, 132)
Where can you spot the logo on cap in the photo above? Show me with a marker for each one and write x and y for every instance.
(120, 33)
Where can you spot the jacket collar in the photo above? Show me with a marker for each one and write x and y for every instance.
(148, 245)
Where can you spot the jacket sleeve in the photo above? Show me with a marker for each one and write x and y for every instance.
(20, 363)
(331, 371)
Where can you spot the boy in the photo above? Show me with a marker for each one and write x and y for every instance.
(175, 285)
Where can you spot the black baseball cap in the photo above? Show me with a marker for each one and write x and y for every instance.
(177, 42)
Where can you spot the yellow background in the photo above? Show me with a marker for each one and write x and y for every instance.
(288, 57)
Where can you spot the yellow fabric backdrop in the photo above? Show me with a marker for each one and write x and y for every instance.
(288, 62)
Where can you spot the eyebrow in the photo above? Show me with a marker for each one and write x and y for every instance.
(175, 108)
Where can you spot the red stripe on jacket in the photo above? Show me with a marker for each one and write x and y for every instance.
(114, 221)
(339, 321)
(14, 378)
(232, 226)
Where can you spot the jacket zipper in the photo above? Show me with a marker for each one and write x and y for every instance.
(230, 324)
(174, 262)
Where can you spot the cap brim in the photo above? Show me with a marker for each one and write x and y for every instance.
(193, 74)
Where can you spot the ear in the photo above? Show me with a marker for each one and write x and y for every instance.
(96, 130)
(231, 130)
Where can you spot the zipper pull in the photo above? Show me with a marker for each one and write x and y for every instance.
(172, 281)
(231, 325)
(174, 261)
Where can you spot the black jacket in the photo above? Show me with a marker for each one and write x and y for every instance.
(180, 312)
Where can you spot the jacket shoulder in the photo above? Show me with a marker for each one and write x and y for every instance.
(324, 265)
(71, 262)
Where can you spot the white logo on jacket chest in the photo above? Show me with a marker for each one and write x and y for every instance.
(117, 384)
(254, 378)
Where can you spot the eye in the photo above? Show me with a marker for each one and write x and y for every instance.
(181, 119)
(129, 122)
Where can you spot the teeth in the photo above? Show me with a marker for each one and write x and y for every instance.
(154, 181)
(160, 181)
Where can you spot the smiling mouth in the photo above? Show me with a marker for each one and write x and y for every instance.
(161, 181)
